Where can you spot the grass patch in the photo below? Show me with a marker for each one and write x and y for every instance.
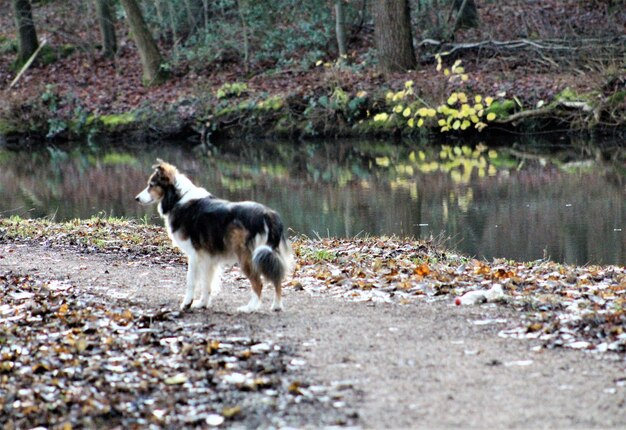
(99, 233)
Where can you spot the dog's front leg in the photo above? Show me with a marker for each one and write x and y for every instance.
(192, 273)
(208, 282)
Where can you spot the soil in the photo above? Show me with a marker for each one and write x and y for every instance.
(427, 364)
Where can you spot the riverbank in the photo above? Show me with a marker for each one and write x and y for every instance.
(371, 336)
(567, 77)
(326, 102)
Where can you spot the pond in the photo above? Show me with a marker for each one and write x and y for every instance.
(483, 201)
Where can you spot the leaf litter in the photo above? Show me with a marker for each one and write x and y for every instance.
(70, 359)
(99, 354)
(577, 307)
(562, 306)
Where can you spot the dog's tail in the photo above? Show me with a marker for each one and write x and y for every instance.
(273, 260)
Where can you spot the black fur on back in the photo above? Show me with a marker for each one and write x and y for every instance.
(206, 220)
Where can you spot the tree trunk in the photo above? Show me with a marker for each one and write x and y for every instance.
(26, 32)
(467, 14)
(394, 40)
(242, 6)
(340, 29)
(107, 27)
(148, 51)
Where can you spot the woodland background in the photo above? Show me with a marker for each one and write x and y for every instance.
(311, 68)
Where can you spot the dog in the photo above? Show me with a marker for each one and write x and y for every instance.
(213, 232)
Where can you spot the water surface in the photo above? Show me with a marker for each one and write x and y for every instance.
(488, 202)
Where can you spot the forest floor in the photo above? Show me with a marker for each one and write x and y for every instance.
(574, 65)
(371, 337)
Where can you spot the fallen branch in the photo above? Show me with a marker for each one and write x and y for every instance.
(542, 111)
(548, 45)
(28, 63)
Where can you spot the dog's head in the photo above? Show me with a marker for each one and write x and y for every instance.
(163, 178)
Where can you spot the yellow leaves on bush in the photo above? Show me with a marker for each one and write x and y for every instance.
(459, 112)
(427, 112)
(381, 117)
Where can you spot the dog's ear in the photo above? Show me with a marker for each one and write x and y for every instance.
(165, 170)
(159, 164)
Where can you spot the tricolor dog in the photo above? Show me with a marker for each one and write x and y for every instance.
(214, 232)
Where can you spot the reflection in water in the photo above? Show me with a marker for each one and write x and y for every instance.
(489, 203)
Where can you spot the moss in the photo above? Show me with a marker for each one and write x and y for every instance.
(570, 95)
(502, 109)
(115, 120)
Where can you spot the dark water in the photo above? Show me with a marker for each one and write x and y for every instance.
(519, 204)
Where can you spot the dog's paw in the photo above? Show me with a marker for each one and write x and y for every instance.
(248, 308)
(201, 305)
(253, 305)
(277, 307)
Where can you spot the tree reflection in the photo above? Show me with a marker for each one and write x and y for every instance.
(491, 202)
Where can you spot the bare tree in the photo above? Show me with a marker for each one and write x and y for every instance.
(149, 53)
(107, 27)
(26, 32)
(394, 40)
(340, 28)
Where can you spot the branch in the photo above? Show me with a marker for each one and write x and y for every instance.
(549, 45)
(546, 110)
(27, 64)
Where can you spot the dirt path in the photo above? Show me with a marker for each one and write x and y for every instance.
(424, 365)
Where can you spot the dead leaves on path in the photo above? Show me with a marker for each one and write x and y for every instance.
(568, 306)
(70, 360)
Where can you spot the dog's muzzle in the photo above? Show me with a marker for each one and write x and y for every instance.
(144, 197)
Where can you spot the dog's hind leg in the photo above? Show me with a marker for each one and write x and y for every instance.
(255, 298)
(192, 277)
(257, 286)
(277, 304)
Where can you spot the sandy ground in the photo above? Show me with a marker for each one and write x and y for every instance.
(424, 365)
